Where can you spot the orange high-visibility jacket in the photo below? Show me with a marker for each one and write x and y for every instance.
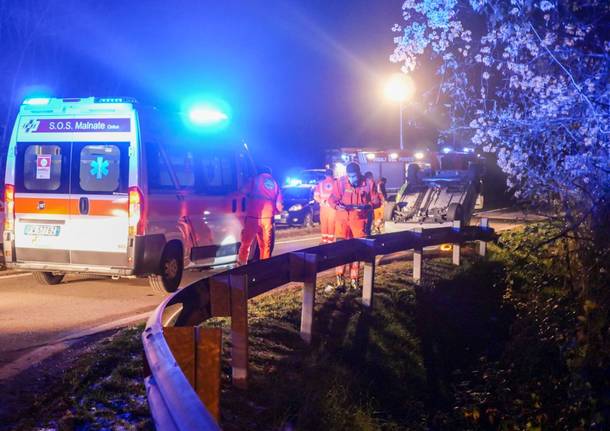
(264, 197)
(347, 195)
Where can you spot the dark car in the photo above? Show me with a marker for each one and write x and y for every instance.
(300, 209)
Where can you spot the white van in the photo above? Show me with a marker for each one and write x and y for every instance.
(106, 187)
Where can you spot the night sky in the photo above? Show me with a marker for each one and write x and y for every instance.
(300, 76)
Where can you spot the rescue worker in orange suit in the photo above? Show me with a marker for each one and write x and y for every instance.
(264, 201)
(353, 199)
(369, 220)
(322, 194)
(379, 213)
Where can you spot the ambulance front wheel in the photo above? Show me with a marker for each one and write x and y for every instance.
(170, 270)
(47, 278)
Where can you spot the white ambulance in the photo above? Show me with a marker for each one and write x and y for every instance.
(106, 187)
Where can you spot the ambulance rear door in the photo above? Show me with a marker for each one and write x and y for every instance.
(72, 175)
(42, 202)
(99, 203)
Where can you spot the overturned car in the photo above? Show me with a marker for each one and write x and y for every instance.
(439, 189)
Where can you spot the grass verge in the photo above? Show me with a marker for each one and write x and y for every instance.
(102, 389)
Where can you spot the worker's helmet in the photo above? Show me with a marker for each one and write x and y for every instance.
(353, 167)
(264, 170)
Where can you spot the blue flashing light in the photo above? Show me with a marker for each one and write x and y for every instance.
(115, 100)
(293, 181)
(447, 150)
(206, 116)
(37, 101)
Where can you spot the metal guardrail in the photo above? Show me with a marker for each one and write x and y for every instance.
(179, 378)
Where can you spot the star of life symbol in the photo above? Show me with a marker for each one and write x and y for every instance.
(99, 168)
(31, 125)
(328, 186)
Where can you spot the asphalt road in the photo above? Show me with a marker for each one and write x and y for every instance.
(36, 321)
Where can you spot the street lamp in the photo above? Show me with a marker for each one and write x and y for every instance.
(399, 88)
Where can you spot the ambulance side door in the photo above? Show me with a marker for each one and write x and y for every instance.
(216, 210)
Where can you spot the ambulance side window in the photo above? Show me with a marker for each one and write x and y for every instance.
(183, 164)
(246, 168)
(217, 174)
(159, 177)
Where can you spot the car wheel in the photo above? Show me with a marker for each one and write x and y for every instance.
(388, 210)
(455, 212)
(308, 220)
(47, 278)
(170, 271)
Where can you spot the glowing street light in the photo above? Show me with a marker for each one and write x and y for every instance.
(399, 88)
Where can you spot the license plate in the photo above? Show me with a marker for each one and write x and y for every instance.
(42, 229)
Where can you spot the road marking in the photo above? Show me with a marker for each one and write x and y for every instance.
(4, 277)
(36, 356)
(298, 240)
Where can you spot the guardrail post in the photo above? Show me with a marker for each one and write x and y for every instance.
(418, 253)
(304, 267)
(483, 224)
(181, 341)
(207, 368)
(368, 283)
(456, 245)
(239, 329)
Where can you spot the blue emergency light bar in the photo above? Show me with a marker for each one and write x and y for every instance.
(115, 100)
(37, 101)
(206, 116)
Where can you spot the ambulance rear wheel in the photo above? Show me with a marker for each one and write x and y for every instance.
(47, 278)
(170, 270)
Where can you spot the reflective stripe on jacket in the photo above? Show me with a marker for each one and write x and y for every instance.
(323, 191)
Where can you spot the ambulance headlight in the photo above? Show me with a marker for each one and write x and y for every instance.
(419, 155)
(446, 150)
(394, 156)
(295, 207)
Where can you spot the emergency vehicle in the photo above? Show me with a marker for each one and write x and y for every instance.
(390, 164)
(425, 188)
(109, 187)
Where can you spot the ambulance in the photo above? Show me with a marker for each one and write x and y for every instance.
(106, 186)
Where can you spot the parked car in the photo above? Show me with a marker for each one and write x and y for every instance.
(300, 209)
